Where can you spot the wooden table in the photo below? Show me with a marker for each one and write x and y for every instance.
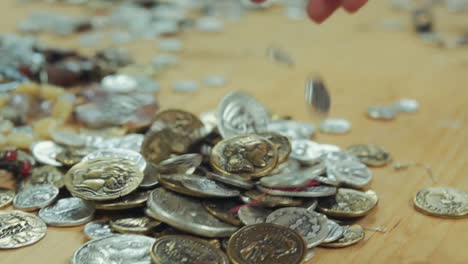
(363, 64)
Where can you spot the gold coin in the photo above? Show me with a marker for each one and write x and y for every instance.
(186, 249)
(250, 156)
(352, 235)
(371, 155)
(282, 144)
(103, 179)
(134, 225)
(348, 203)
(266, 244)
(132, 200)
(19, 229)
(71, 156)
(47, 175)
(6, 197)
(442, 202)
(265, 200)
(155, 147)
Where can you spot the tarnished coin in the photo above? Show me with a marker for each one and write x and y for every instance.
(350, 173)
(103, 179)
(71, 156)
(265, 200)
(317, 95)
(249, 156)
(292, 129)
(124, 249)
(186, 214)
(348, 203)
(335, 231)
(150, 177)
(311, 225)
(19, 229)
(134, 225)
(370, 155)
(241, 114)
(45, 152)
(98, 229)
(207, 187)
(173, 182)
(335, 126)
(351, 235)
(68, 138)
(131, 155)
(266, 244)
(185, 164)
(34, 197)
(310, 204)
(291, 165)
(332, 157)
(314, 191)
(132, 200)
(293, 179)
(251, 215)
(156, 146)
(221, 209)
(382, 112)
(186, 249)
(442, 202)
(6, 197)
(47, 175)
(232, 180)
(306, 151)
(281, 143)
(68, 212)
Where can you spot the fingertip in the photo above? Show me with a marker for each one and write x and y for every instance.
(320, 10)
(352, 6)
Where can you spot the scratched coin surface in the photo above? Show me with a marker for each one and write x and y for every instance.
(47, 175)
(33, 197)
(251, 215)
(350, 173)
(185, 164)
(335, 231)
(186, 214)
(132, 200)
(224, 210)
(249, 156)
(370, 155)
(134, 225)
(123, 249)
(265, 244)
(351, 235)
(20, 229)
(156, 146)
(282, 144)
(68, 212)
(103, 179)
(292, 129)
(134, 156)
(309, 224)
(207, 187)
(241, 114)
(186, 250)
(442, 201)
(6, 197)
(348, 203)
(97, 229)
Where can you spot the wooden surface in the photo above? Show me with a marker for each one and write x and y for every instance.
(363, 64)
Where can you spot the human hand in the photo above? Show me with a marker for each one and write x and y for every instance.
(320, 10)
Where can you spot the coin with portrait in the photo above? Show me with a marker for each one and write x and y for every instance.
(442, 201)
(281, 143)
(348, 203)
(20, 229)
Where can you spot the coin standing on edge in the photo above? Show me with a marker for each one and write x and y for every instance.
(442, 202)
(71, 211)
(20, 229)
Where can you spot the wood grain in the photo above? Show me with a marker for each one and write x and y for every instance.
(363, 64)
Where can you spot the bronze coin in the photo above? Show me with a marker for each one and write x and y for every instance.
(281, 143)
(155, 147)
(370, 155)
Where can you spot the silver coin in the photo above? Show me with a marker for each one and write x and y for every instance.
(232, 180)
(332, 157)
(98, 229)
(314, 191)
(208, 187)
(185, 86)
(293, 179)
(317, 96)
(292, 129)
(381, 112)
(310, 254)
(215, 81)
(291, 165)
(183, 164)
(33, 197)
(68, 138)
(20, 229)
(311, 225)
(71, 211)
(170, 45)
(45, 152)
(335, 231)
(310, 204)
(165, 60)
(251, 215)
(209, 120)
(118, 83)
(240, 114)
(131, 155)
(129, 141)
(122, 249)
(306, 151)
(351, 173)
(335, 126)
(150, 179)
(407, 105)
(186, 214)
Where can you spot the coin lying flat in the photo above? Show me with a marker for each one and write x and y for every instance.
(281, 143)
(184, 164)
(371, 155)
(351, 235)
(71, 156)
(68, 212)
(335, 231)
(134, 225)
(207, 187)
(232, 180)
(186, 214)
(350, 173)
(348, 203)
(291, 165)
(382, 112)
(335, 126)
(132, 200)
(249, 156)
(221, 210)
(240, 114)
(6, 197)
(311, 225)
(292, 129)
(186, 249)
(19, 229)
(266, 244)
(97, 229)
(251, 215)
(33, 197)
(103, 179)
(442, 201)
(173, 182)
(47, 175)
(123, 249)
(134, 156)
(293, 179)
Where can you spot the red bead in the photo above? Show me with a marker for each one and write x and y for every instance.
(26, 168)
(12, 155)
(258, 1)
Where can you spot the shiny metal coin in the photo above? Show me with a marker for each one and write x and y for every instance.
(215, 81)
(20, 229)
(293, 179)
(292, 129)
(118, 83)
(33, 197)
(291, 165)
(68, 138)
(335, 231)
(317, 96)
(306, 151)
(183, 164)
(68, 212)
(185, 86)
(222, 209)
(47, 175)
(335, 126)
(407, 105)
(442, 202)
(208, 187)
(133, 200)
(312, 192)
(381, 112)
(370, 155)
(251, 215)
(150, 178)
(134, 225)
(348, 203)
(351, 235)
(131, 155)
(350, 173)
(6, 197)
(98, 229)
(232, 180)
(45, 152)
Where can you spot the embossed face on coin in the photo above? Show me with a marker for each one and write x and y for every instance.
(371, 155)
(6, 197)
(19, 229)
(349, 203)
(103, 178)
(187, 250)
(247, 156)
(442, 201)
(266, 244)
(281, 143)
(156, 147)
(33, 197)
(47, 175)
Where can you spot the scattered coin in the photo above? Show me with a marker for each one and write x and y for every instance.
(222, 210)
(381, 112)
(183, 164)
(442, 202)
(207, 187)
(348, 203)
(306, 151)
(34, 197)
(407, 105)
(131, 155)
(45, 152)
(335, 126)
(185, 86)
(281, 143)
(68, 212)
(293, 179)
(6, 197)
(71, 156)
(215, 81)
(134, 225)
(47, 175)
(292, 129)
(67, 138)
(133, 200)
(98, 229)
(335, 231)
(118, 83)
(231, 180)
(351, 235)
(350, 173)
(19, 229)
(291, 165)
(370, 155)
(251, 215)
